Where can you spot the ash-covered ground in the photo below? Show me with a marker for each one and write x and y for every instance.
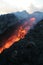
(28, 51)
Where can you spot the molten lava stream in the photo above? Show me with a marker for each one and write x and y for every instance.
(18, 34)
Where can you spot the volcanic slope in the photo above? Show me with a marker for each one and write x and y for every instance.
(28, 51)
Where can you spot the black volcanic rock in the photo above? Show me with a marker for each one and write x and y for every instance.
(28, 51)
(7, 21)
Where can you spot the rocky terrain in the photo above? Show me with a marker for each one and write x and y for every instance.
(28, 51)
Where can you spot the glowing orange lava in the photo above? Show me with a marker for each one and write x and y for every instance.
(18, 34)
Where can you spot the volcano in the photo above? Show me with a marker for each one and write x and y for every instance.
(21, 41)
(16, 32)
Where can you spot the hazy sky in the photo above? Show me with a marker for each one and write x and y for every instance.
(16, 5)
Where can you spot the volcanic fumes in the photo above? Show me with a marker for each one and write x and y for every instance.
(19, 33)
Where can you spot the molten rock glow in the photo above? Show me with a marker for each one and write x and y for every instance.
(18, 34)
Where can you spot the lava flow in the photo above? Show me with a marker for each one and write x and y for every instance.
(18, 34)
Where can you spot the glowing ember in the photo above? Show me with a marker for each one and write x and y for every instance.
(18, 34)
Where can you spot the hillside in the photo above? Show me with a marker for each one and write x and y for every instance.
(7, 21)
(28, 51)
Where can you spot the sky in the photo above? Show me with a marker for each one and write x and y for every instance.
(7, 6)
